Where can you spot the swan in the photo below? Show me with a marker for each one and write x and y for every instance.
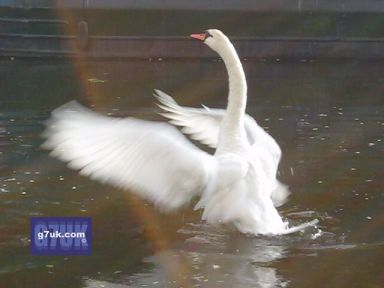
(237, 185)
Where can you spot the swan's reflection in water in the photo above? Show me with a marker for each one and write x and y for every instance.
(209, 257)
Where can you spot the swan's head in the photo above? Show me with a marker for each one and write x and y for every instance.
(214, 38)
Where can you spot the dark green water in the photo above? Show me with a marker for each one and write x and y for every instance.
(328, 118)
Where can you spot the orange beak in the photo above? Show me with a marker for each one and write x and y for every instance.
(201, 36)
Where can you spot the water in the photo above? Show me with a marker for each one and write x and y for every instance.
(327, 116)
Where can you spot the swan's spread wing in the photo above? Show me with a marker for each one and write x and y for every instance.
(152, 159)
(203, 124)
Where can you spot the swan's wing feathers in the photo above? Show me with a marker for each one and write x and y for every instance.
(152, 159)
(201, 124)
(260, 139)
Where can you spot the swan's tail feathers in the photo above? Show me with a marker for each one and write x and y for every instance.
(129, 154)
(280, 194)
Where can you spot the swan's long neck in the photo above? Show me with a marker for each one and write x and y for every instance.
(232, 130)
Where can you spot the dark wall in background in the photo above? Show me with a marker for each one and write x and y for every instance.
(300, 28)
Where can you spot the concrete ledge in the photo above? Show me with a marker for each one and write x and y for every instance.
(231, 5)
(182, 47)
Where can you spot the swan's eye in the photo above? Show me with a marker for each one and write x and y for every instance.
(207, 34)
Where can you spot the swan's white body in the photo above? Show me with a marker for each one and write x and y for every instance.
(237, 184)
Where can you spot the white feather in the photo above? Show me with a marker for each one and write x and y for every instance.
(152, 159)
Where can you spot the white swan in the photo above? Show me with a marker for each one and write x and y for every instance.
(154, 160)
